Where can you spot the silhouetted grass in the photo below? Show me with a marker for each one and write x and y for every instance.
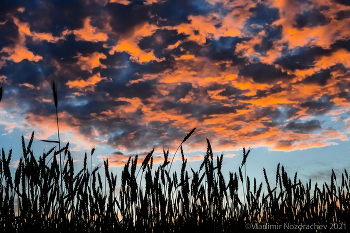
(199, 201)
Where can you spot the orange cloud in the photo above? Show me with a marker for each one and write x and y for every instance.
(14, 164)
(123, 2)
(340, 56)
(150, 2)
(89, 84)
(90, 33)
(46, 127)
(30, 86)
(21, 9)
(18, 52)
(130, 44)
(24, 29)
(91, 61)
(203, 27)
(119, 159)
(10, 128)
(273, 99)
(230, 155)
(321, 35)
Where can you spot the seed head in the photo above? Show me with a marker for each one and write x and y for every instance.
(54, 91)
(1, 90)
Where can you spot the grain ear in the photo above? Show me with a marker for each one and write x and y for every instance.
(188, 135)
(1, 91)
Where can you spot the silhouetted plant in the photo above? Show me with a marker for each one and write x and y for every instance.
(201, 202)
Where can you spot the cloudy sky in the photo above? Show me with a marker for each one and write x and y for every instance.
(272, 75)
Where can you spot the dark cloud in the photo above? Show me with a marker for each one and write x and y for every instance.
(9, 6)
(310, 19)
(268, 112)
(189, 47)
(272, 33)
(214, 86)
(181, 91)
(118, 153)
(263, 73)
(142, 89)
(262, 16)
(86, 130)
(83, 107)
(302, 58)
(232, 92)
(343, 15)
(284, 143)
(65, 51)
(113, 60)
(223, 49)
(303, 127)
(345, 95)
(343, 2)
(218, 109)
(25, 72)
(124, 18)
(8, 33)
(273, 90)
(319, 106)
(344, 44)
(136, 137)
(324, 174)
(256, 132)
(174, 12)
(322, 77)
(56, 16)
(276, 116)
(153, 67)
(196, 110)
(160, 40)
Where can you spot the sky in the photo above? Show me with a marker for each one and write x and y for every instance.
(272, 75)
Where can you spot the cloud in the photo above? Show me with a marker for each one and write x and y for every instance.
(3, 78)
(90, 33)
(89, 84)
(24, 29)
(91, 61)
(119, 159)
(319, 106)
(19, 52)
(263, 73)
(311, 18)
(123, 2)
(304, 127)
(302, 58)
(343, 15)
(124, 19)
(342, 2)
(10, 128)
(14, 164)
(130, 44)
